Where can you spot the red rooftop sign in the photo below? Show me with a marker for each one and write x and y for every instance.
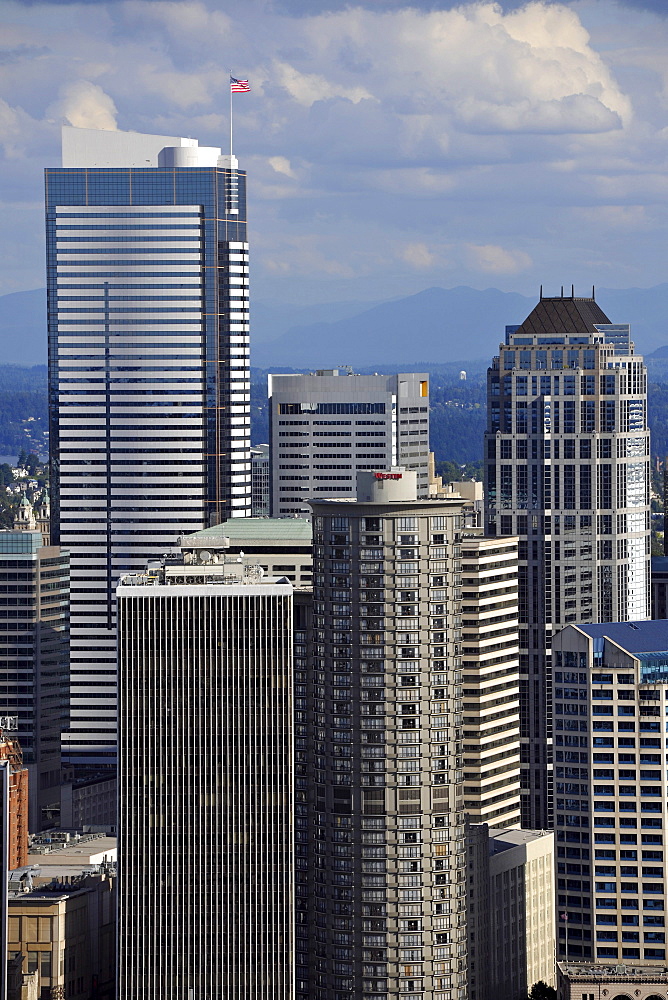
(389, 475)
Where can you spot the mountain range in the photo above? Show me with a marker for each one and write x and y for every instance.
(437, 326)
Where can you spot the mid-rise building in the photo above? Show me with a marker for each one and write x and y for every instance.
(325, 427)
(205, 784)
(280, 546)
(611, 791)
(491, 682)
(385, 819)
(511, 912)
(34, 660)
(567, 470)
(659, 587)
(62, 920)
(637, 980)
(17, 791)
(147, 284)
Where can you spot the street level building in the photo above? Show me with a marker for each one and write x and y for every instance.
(147, 284)
(34, 661)
(611, 790)
(567, 470)
(205, 784)
(385, 895)
(630, 981)
(62, 919)
(326, 427)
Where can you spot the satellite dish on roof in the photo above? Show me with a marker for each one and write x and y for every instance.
(205, 556)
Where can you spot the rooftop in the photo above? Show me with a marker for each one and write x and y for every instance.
(245, 529)
(504, 840)
(564, 315)
(634, 637)
(647, 971)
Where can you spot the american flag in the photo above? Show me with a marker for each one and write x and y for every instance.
(239, 86)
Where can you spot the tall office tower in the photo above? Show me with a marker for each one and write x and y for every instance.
(148, 376)
(490, 658)
(205, 784)
(610, 706)
(567, 469)
(387, 854)
(325, 427)
(34, 659)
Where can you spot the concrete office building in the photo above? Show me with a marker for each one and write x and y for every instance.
(281, 546)
(567, 469)
(511, 912)
(387, 850)
(147, 281)
(630, 981)
(659, 587)
(491, 683)
(34, 661)
(611, 790)
(206, 803)
(325, 427)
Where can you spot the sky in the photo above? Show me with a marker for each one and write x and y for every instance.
(389, 148)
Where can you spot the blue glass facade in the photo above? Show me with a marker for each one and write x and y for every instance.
(147, 283)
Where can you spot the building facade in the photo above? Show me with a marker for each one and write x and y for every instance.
(491, 681)
(260, 481)
(62, 920)
(386, 842)
(147, 284)
(325, 427)
(205, 785)
(34, 660)
(511, 912)
(567, 470)
(611, 790)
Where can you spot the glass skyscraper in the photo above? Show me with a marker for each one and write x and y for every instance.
(147, 266)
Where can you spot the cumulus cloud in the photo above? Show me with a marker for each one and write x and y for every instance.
(306, 88)
(418, 256)
(85, 105)
(495, 260)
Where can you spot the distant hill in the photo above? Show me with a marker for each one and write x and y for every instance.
(23, 328)
(436, 326)
(441, 325)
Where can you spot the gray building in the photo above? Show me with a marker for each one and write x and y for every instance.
(205, 784)
(567, 470)
(325, 427)
(34, 661)
(147, 281)
(611, 790)
(260, 481)
(385, 805)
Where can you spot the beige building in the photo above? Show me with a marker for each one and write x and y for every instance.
(511, 912)
(490, 660)
(280, 545)
(639, 981)
(62, 919)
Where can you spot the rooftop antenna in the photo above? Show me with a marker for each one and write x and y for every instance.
(593, 290)
(541, 293)
(562, 291)
(572, 291)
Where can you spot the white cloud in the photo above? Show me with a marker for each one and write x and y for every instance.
(495, 260)
(85, 105)
(418, 255)
(281, 165)
(307, 88)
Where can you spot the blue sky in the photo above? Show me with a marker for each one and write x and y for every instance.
(389, 148)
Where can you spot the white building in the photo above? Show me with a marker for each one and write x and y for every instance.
(326, 427)
(148, 375)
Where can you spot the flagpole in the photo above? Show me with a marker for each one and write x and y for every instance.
(230, 87)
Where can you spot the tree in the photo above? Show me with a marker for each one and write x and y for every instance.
(541, 991)
(22, 459)
(31, 463)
